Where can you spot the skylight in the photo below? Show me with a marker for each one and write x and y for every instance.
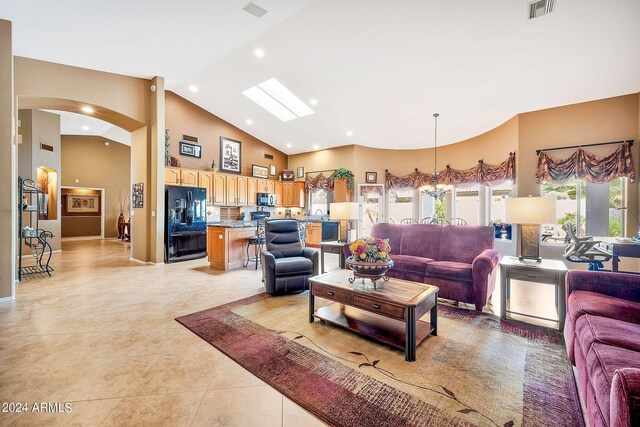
(274, 97)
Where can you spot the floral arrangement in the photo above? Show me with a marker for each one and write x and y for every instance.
(370, 249)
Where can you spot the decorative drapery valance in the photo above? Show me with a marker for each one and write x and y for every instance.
(371, 189)
(319, 182)
(584, 165)
(482, 173)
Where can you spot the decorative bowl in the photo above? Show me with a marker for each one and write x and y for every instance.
(369, 270)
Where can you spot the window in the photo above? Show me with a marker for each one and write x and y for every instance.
(499, 194)
(401, 204)
(592, 209)
(319, 202)
(467, 204)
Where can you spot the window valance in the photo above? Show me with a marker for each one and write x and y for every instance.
(371, 189)
(482, 173)
(319, 182)
(584, 165)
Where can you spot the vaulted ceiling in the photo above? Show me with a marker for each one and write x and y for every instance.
(378, 69)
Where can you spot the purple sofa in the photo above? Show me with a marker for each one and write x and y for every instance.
(602, 333)
(459, 259)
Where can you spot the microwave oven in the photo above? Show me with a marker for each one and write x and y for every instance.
(266, 199)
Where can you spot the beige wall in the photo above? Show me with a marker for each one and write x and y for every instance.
(95, 165)
(127, 102)
(185, 118)
(7, 165)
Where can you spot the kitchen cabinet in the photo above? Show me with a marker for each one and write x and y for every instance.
(232, 190)
(219, 189)
(314, 234)
(298, 194)
(226, 247)
(188, 177)
(341, 191)
(262, 186)
(241, 190)
(287, 194)
(252, 191)
(171, 176)
(205, 180)
(278, 192)
(271, 186)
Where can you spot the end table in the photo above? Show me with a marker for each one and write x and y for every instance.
(551, 272)
(333, 247)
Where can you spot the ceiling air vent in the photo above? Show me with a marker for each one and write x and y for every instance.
(255, 10)
(540, 8)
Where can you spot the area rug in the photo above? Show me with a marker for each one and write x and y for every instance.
(478, 371)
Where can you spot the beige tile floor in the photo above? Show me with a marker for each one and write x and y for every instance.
(101, 335)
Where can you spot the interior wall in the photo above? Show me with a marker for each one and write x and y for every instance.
(75, 224)
(331, 158)
(8, 155)
(95, 165)
(186, 118)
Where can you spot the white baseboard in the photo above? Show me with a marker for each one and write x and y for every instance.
(136, 260)
(57, 251)
(7, 299)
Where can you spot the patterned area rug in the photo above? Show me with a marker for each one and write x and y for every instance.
(479, 370)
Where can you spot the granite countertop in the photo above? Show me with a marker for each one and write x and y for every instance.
(232, 224)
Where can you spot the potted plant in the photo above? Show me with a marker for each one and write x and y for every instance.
(343, 173)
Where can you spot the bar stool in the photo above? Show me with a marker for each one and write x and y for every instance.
(302, 228)
(257, 242)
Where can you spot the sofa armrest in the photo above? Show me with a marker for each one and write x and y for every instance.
(484, 281)
(314, 256)
(625, 398)
(486, 261)
(619, 285)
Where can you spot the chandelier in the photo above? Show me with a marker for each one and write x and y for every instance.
(436, 190)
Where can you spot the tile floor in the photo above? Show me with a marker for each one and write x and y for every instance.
(101, 335)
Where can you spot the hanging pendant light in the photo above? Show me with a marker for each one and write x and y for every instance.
(437, 189)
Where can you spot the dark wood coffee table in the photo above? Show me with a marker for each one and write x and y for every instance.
(390, 313)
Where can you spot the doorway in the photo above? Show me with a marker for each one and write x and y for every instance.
(371, 204)
(83, 212)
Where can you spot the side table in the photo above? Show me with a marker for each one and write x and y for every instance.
(551, 272)
(333, 247)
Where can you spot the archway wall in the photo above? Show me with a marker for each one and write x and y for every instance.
(127, 102)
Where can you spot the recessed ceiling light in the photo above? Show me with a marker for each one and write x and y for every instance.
(107, 143)
(85, 127)
(193, 88)
(249, 122)
(313, 101)
(349, 133)
(261, 98)
(87, 109)
(259, 53)
(316, 146)
(289, 145)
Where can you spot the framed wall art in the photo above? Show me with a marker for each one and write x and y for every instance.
(83, 203)
(300, 172)
(259, 171)
(371, 177)
(230, 155)
(191, 150)
(272, 170)
(137, 196)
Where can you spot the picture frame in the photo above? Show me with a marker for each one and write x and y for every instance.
(258, 171)
(300, 172)
(371, 177)
(190, 150)
(230, 155)
(272, 170)
(137, 196)
(83, 203)
(287, 175)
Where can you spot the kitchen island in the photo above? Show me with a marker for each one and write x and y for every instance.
(227, 244)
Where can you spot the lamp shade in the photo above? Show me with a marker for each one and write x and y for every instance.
(344, 211)
(530, 210)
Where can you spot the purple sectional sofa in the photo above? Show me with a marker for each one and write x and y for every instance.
(603, 341)
(459, 259)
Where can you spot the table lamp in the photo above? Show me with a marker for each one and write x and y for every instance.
(530, 212)
(344, 212)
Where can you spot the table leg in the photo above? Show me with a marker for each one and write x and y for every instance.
(434, 318)
(311, 306)
(562, 307)
(504, 285)
(410, 335)
(322, 259)
(342, 261)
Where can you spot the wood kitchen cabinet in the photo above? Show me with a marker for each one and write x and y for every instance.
(232, 190)
(171, 176)
(205, 180)
(262, 186)
(287, 194)
(271, 186)
(188, 177)
(278, 192)
(241, 190)
(314, 234)
(298, 194)
(341, 191)
(226, 247)
(252, 191)
(219, 189)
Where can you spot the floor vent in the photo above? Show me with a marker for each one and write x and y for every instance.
(255, 10)
(540, 8)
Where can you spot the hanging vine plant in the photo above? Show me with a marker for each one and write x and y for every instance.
(344, 173)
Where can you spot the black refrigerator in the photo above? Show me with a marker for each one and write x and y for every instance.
(185, 231)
